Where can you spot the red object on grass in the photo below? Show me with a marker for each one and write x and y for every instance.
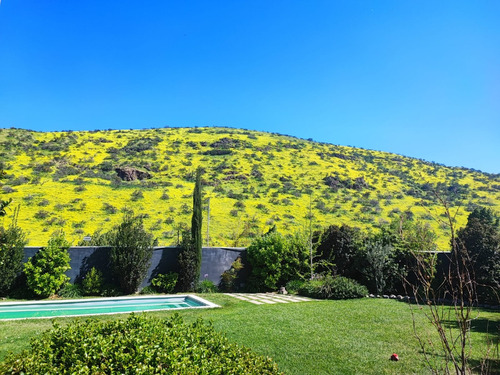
(394, 357)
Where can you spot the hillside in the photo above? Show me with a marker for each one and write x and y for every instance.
(76, 181)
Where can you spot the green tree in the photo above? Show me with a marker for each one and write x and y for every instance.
(191, 245)
(340, 247)
(276, 259)
(12, 243)
(45, 271)
(379, 263)
(196, 221)
(480, 238)
(131, 252)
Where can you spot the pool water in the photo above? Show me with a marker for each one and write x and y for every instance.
(82, 307)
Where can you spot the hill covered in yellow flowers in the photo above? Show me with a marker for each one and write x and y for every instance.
(83, 181)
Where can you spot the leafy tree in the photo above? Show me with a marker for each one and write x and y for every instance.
(191, 246)
(276, 259)
(196, 221)
(379, 263)
(131, 252)
(480, 238)
(340, 247)
(12, 242)
(187, 264)
(45, 271)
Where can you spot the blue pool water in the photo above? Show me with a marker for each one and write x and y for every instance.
(52, 309)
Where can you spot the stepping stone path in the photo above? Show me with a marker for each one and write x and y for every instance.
(269, 298)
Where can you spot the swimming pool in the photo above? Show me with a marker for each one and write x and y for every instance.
(99, 306)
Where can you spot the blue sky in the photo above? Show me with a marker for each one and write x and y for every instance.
(418, 78)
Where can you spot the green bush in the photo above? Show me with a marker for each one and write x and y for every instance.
(293, 286)
(12, 242)
(92, 283)
(207, 286)
(137, 345)
(228, 277)
(329, 287)
(45, 272)
(131, 252)
(165, 283)
(70, 291)
(276, 259)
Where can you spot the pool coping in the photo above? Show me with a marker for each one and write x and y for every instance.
(207, 304)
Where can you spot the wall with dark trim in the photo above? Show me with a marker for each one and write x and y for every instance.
(215, 260)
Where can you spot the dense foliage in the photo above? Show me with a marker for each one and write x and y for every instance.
(329, 287)
(131, 252)
(196, 222)
(480, 238)
(188, 264)
(12, 242)
(45, 271)
(276, 259)
(92, 282)
(165, 282)
(137, 345)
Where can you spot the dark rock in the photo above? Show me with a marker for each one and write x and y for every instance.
(132, 174)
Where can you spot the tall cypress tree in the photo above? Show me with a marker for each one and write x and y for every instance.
(196, 222)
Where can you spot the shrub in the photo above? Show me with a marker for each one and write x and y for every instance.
(276, 259)
(165, 283)
(136, 195)
(131, 252)
(293, 286)
(12, 242)
(188, 264)
(228, 277)
(137, 345)
(45, 272)
(330, 287)
(92, 283)
(70, 291)
(206, 286)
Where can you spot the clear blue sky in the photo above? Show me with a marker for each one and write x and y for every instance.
(418, 78)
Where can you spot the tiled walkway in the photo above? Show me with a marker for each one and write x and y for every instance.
(263, 298)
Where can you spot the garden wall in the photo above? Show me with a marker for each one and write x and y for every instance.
(215, 260)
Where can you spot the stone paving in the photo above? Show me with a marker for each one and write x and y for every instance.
(269, 298)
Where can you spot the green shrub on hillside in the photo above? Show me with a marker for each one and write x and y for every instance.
(137, 345)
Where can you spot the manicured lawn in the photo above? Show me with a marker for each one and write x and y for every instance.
(323, 337)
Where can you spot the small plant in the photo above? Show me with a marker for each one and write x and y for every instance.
(70, 291)
(228, 277)
(293, 286)
(136, 195)
(45, 272)
(92, 283)
(165, 283)
(207, 286)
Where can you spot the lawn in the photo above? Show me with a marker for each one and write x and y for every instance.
(323, 337)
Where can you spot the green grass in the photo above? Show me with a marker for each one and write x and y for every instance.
(323, 337)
